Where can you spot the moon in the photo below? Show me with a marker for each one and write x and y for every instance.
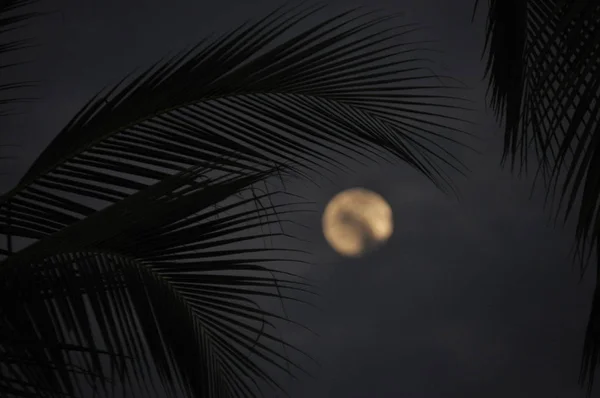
(356, 221)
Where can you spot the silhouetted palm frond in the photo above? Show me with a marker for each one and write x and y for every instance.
(120, 205)
(159, 258)
(543, 65)
(235, 96)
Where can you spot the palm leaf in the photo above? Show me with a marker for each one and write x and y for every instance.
(116, 205)
(543, 59)
(354, 91)
(178, 288)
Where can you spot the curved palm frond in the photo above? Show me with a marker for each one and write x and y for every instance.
(354, 91)
(543, 65)
(116, 205)
(159, 259)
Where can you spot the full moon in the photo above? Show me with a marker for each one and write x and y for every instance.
(357, 221)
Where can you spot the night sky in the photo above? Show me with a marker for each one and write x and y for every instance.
(472, 297)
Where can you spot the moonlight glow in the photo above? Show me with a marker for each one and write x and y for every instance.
(357, 220)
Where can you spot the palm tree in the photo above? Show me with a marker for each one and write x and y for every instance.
(131, 212)
(543, 59)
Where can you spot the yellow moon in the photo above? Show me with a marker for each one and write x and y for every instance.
(356, 221)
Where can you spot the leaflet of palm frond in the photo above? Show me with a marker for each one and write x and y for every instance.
(505, 40)
(13, 14)
(572, 163)
(135, 267)
(218, 101)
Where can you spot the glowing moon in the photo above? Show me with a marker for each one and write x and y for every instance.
(356, 221)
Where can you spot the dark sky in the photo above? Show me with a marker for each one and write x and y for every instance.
(469, 298)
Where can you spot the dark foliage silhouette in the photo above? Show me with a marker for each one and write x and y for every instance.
(542, 61)
(134, 212)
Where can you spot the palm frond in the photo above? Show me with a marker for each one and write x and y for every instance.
(543, 65)
(174, 271)
(339, 86)
(118, 204)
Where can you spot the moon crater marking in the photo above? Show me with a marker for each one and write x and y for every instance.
(357, 221)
